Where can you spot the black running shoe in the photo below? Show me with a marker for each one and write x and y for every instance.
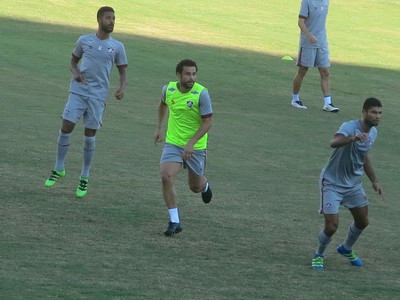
(207, 195)
(173, 228)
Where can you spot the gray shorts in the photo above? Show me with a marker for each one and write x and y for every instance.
(313, 57)
(91, 109)
(332, 196)
(173, 153)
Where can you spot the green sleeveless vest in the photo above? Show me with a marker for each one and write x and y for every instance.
(184, 115)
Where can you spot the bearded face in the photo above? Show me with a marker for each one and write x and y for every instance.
(106, 22)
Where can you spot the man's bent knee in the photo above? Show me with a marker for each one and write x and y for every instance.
(196, 188)
(331, 224)
(362, 224)
(67, 126)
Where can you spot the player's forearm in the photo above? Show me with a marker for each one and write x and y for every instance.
(303, 27)
(369, 170)
(204, 128)
(162, 111)
(73, 66)
(122, 79)
(341, 141)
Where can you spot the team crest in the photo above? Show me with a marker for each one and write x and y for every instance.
(189, 104)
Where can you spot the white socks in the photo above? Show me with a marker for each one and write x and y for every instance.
(173, 215)
(327, 100)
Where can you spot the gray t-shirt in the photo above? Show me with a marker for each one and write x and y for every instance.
(315, 13)
(97, 59)
(346, 164)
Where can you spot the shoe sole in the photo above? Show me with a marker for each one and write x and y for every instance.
(332, 111)
(51, 183)
(168, 232)
(81, 195)
(172, 233)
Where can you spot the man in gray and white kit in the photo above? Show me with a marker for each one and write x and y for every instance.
(88, 92)
(313, 50)
(341, 181)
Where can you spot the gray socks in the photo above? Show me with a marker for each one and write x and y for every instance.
(88, 154)
(64, 139)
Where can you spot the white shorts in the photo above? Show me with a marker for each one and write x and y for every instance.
(91, 109)
(173, 153)
(313, 57)
(332, 196)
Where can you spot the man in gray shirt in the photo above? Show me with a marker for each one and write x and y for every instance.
(96, 53)
(313, 50)
(340, 181)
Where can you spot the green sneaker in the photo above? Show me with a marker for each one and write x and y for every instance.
(54, 176)
(81, 191)
(317, 262)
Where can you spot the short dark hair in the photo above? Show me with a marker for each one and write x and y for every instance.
(102, 10)
(371, 102)
(185, 63)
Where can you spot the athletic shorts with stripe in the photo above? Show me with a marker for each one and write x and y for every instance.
(332, 196)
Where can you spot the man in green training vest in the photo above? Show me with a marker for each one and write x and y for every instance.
(190, 117)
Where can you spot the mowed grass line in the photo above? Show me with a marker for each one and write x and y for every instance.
(267, 27)
(254, 241)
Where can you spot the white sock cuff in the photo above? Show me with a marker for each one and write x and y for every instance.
(173, 215)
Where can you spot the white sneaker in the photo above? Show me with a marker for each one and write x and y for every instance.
(298, 104)
(330, 108)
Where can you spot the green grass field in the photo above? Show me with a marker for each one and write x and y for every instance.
(256, 238)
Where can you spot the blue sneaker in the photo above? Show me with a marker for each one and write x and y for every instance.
(317, 262)
(351, 255)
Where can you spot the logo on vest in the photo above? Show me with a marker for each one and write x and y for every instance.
(189, 104)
